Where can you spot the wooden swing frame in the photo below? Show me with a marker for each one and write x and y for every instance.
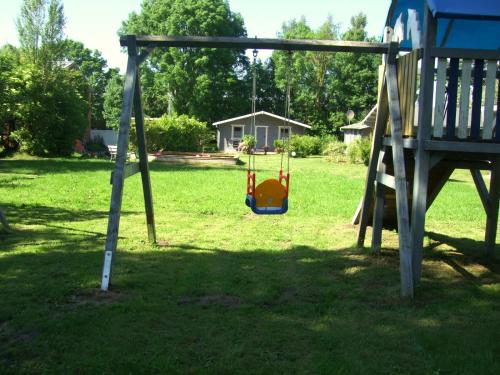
(132, 101)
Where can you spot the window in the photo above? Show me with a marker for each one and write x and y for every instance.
(285, 132)
(237, 132)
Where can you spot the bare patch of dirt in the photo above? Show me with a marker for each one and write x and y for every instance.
(95, 297)
(225, 300)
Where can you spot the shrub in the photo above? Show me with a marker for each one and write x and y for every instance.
(305, 145)
(247, 144)
(359, 151)
(335, 150)
(51, 111)
(279, 145)
(96, 145)
(174, 133)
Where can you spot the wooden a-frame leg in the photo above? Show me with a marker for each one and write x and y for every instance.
(492, 214)
(405, 251)
(378, 210)
(118, 176)
(143, 160)
(378, 135)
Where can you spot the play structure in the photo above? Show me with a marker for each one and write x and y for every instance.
(425, 131)
(270, 197)
(436, 112)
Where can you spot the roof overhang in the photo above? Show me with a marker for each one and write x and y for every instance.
(460, 24)
(262, 113)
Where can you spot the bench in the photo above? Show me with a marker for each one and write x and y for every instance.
(113, 150)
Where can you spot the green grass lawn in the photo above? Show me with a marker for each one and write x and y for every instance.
(231, 292)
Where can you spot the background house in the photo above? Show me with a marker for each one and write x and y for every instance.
(360, 129)
(268, 128)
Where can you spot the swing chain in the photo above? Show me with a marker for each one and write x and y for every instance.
(251, 160)
(287, 112)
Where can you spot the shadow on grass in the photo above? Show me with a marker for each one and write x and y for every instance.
(187, 308)
(466, 252)
(38, 224)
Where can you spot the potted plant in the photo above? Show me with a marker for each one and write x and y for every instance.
(248, 144)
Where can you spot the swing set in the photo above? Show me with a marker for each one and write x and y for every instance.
(270, 197)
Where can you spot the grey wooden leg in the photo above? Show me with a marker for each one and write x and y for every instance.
(405, 251)
(492, 216)
(143, 161)
(378, 210)
(118, 176)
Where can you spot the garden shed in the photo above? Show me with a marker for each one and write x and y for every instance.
(268, 128)
(360, 129)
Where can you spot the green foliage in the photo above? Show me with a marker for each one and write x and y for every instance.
(40, 26)
(93, 68)
(175, 133)
(204, 83)
(358, 151)
(96, 145)
(305, 145)
(9, 62)
(112, 103)
(310, 74)
(51, 111)
(248, 143)
(355, 78)
(335, 150)
(279, 145)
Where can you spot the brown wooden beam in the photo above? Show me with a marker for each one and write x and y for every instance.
(257, 43)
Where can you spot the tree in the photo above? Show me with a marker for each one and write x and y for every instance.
(355, 77)
(310, 72)
(203, 82)
(49, 104)
(41, 31)
(113, 97)
(93, 67)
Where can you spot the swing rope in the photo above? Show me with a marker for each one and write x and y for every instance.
(287, 113)
(251, 152)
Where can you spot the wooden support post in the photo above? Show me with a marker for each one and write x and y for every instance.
(492, 215)
(143, 160)
(482, 190)
(421, 173)
(378, 210)
(121, 157)
(377, 141)
(405, 251)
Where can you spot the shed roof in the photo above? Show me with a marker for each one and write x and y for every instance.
(461, 23)
(264, 113)
(356, 126)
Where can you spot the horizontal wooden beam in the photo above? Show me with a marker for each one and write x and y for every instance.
(407, 142)
(461, 53)
(386, 180)
(129, 170)
(485, 148)
(257, 43)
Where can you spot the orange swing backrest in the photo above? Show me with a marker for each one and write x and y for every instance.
(270, 193)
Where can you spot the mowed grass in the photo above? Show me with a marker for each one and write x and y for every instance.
(231, 292)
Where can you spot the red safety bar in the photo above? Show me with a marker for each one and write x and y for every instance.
(251, 183)
(287, 181)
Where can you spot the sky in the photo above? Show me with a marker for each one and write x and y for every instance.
(95, 22)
